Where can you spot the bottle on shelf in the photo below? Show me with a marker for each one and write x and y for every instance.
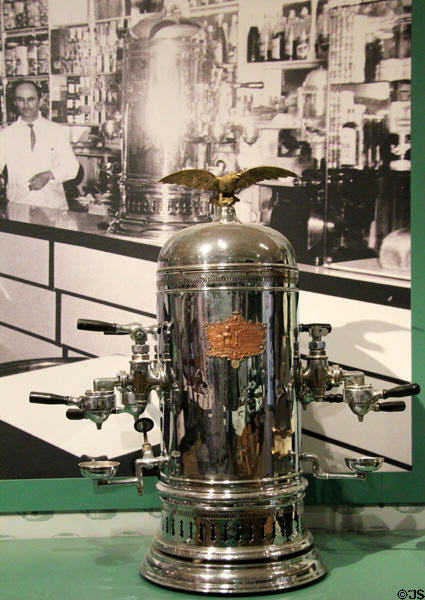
(290, 35)
(253, 43)
(21, 51)
(322, 32)
(33, 45)
(8, 15)
(264, 41)
(302, 46)
(232, 39)
(297, 36)
(20, 14)
(220, 40)
(33, 8)
(278, 38)
(10, 58)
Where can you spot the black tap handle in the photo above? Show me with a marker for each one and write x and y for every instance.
(392, 406)
(75, 414)
(45, 398)
(90, 325)
(333, 398)
(409, 389)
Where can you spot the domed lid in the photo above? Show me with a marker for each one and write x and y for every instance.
(226, 241)
(164, 27)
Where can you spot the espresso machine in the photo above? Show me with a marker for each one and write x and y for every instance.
(226, 366)
(167, 110)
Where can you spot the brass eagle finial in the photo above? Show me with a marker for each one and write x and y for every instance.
(225, 185)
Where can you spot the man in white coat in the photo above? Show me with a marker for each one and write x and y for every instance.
(37, 153)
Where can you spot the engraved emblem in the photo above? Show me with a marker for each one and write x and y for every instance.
(235, 338)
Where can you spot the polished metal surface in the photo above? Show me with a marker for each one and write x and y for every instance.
(231, 494)
(211, 576)
(364, 464)
(230, 421)
(98, 469)
(167, 110)
(227, 244)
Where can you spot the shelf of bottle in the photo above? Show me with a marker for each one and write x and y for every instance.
(110, 19)
(290, 64)
(220, 7)
(106, 73)
(70, 74)
(41, 77)
(69, 25)
(377, 81)
(11, 33)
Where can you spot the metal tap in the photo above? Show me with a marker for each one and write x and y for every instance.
(318, 376)
(363, 398)
(93, 405)
(359, 467)
(103, 471)
(126, 392)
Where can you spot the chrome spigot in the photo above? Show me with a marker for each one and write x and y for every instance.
(104, 471)
(148, 460)
(318, 376)
(136, 331)
(145, 374)
(363, 398)
(359, 467)
(93, 405)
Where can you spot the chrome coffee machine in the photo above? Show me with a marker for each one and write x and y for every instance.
(231, 384)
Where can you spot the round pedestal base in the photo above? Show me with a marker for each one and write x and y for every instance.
(232, 577)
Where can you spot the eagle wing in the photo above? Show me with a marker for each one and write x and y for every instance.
(255, 174)
(199, 179)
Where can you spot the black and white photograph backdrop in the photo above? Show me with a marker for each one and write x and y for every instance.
(147, 87)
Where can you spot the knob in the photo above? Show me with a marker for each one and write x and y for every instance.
(143, 425)
(316, 330)
(409, 389)
(45, 398)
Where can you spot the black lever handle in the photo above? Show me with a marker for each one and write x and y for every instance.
(333, 398)
(45, 398)
(409, 389)
(75, 414)
(392, 406)
(91, 325)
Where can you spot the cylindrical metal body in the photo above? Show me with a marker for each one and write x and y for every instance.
(232, 493)
(166, 92)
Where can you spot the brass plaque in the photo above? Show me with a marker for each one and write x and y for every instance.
(235, 338)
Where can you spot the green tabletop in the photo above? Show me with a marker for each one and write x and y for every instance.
(361, 566)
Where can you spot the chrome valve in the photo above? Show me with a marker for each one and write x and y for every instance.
(363, 398)
(93, 405)
(126, 392)
(104, 471)
(319, 377)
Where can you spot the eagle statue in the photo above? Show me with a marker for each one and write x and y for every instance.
(225, 185)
